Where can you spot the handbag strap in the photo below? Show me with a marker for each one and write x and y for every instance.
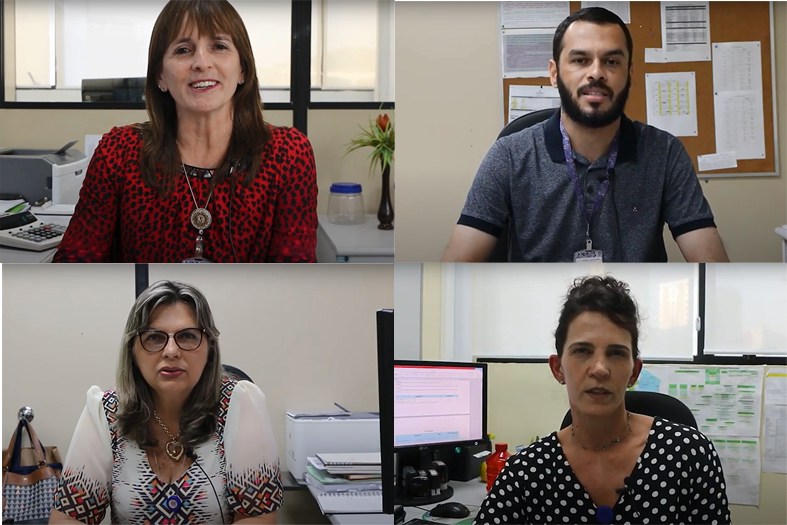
(11, 446)
(38, 447)
(13, 456)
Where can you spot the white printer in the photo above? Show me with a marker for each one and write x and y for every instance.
(309, 434)
(38, 173)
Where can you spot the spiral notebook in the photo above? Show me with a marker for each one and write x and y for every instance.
(355, 502)
(350, 459)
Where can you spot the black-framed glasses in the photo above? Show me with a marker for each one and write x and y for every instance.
(153, 340)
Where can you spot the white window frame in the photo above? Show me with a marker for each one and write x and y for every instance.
(383, 92)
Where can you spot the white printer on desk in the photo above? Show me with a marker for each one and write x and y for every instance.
(309, 434)
(39, 173)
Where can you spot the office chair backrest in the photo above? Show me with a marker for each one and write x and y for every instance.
(653, 404)
(526, 121)
(500, 251)
(236, 373)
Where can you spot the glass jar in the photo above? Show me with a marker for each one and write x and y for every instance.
(345, 204)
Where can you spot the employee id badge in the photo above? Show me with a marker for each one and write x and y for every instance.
(589, 254)
(196, 260)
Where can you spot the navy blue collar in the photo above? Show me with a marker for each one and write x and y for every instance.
(554, 141)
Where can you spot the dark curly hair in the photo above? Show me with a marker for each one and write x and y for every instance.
(605, 295)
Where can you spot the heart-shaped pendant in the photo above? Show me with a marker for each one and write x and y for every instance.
(174, 450)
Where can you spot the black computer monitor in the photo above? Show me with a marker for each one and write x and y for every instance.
(437, 404)
(385, 350)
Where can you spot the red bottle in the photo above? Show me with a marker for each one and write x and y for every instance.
(495, 463)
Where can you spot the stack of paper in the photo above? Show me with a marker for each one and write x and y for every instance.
(13, 206)
(364, 464)
(345, 482)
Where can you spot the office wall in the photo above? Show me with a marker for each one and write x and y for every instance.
(407, 301)
(306, 335)
(525, 400)
(329, 131)
(450, 112)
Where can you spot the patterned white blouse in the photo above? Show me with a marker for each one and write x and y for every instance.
(103, 468)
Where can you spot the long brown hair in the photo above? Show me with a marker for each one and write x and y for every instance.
(160, 158)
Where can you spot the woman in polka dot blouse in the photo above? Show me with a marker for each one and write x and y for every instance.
(609, 465)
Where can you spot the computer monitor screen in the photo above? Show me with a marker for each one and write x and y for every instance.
(436, 403)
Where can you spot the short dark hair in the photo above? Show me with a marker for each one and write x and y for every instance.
(595, 15)
(605, 295)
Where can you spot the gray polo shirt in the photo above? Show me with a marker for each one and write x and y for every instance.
(523, 183)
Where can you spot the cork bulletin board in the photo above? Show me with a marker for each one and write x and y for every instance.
(729, 22)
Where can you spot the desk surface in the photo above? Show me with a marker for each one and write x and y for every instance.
(358, 239)
(15, 255)
(361, 519)
(469, 493)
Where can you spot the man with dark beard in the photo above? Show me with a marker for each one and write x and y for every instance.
(588, 184)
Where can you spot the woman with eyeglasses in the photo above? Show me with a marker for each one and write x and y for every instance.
(177, 441)
(610, 465)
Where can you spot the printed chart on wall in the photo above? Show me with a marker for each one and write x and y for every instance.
(527, 29)
(774, 434)
(726, 402)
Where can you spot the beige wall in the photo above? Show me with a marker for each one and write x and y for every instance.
(306, 335)
(329, 131)
(450, 112)
(525, 401)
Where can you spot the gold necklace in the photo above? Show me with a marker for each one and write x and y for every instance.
(614, 442)
(173, 448)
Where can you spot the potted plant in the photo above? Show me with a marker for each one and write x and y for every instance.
(381, 138)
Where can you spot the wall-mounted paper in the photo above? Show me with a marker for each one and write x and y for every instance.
(740, 461)
(654, 55)
(527, 99)
(737, 99)
(725, 401)
(671, 100)
(622, 9)
(737, 66)
(739, 123)
(717, 161)
(518, 15)
(685, 31)
(774, 434)
(526, 52)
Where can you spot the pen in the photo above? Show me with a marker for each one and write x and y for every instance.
(340, 406)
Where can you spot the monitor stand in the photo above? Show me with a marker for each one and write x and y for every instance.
(419, 459)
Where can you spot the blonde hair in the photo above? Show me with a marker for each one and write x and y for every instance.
(135, 396)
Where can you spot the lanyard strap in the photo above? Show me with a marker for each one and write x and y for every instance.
(612, 158)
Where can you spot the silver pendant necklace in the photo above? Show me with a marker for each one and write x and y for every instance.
(614, 442)
(200, 217)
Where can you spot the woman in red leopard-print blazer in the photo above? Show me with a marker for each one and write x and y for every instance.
(206, 180)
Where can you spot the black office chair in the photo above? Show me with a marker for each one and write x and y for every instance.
(653, 404)
(500, 251)
(236, 373)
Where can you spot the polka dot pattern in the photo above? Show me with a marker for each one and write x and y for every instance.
(686, 488)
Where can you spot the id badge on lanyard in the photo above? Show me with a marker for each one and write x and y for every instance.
(588, 254)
